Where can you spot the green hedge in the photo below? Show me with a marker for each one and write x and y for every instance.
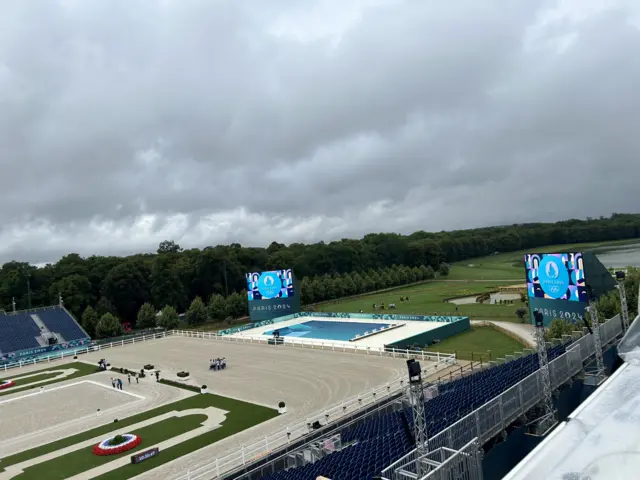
(171, 383)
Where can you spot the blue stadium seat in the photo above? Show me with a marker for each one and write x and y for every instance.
(381, 441)
(59, 321)
(17, 332)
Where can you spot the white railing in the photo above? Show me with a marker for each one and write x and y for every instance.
(497, 414)
(262, 448)
(79, 351)
(322, 345)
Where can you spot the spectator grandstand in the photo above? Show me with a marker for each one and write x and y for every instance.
(370, 447)
(30, 333)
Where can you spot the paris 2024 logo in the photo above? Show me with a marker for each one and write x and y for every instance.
(553, 276)
(269, 285)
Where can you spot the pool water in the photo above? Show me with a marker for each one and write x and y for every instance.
(317, 329)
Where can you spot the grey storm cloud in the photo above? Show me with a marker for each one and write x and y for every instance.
(127, 122)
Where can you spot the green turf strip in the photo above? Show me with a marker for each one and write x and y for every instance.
(84, 459)
(82, 369)
(237, 408)
(241, 417)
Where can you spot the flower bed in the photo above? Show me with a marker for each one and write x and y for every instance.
(116, 445)
(6, 384)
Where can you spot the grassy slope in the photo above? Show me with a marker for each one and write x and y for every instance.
(477, 343)
(485, 275)
(428, 299)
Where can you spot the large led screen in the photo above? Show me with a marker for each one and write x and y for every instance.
(270, 285)
(556, 276)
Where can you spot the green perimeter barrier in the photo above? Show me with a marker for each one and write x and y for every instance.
(426, 338)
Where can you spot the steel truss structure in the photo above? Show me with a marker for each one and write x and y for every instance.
(547, 418)
(595, 375)
(624, 310)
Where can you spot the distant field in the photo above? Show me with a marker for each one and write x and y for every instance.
(428, 299)
(481, 343)
(507, 265)
(469, 277)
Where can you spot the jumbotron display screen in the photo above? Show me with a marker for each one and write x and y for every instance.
(558, 276)
(270, 285)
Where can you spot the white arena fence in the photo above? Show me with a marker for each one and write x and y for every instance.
(80, 351)
(246, 455)
(497, 414)
(325, 345)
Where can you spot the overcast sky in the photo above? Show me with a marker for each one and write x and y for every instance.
(127, 122)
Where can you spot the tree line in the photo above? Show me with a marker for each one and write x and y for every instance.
(219, 307)
(174, 276)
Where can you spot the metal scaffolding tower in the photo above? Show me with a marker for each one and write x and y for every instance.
(597, 375)
(548, 419)
(416, 395)
(624, 310)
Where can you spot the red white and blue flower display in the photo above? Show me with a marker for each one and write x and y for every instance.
(6, 384)
(124, 443)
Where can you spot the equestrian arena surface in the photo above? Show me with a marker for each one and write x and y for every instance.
(308, 380)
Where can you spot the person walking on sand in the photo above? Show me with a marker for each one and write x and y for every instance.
(120, 383)
(137, 378)
(113, 382)
(129, 378)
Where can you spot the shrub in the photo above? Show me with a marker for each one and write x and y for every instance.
(148, 367)
(183, 374)
(171, 383)
(203, 386)
(75, 357)
(281, 405)
(117, 440)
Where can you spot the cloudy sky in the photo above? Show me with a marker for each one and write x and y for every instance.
(127, 122)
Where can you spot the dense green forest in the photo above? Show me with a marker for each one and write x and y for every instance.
(174, 277)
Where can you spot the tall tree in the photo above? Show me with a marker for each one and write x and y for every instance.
(108, 326)
(217, 307)
(76, 292)
(146, 317)
(168, 318)
(127, 288)
(197, 312)
(235, 307)
(166, 286)
(90, 321)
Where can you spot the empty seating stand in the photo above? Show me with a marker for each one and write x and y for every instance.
(383, 440)
(17, 332)
(59, 321)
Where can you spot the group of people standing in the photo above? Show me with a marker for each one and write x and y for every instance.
(217, 363)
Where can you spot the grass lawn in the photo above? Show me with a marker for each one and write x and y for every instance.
(22, 384)
(82, 460)
(468, 277)
(428, 299)
(477, 343)
(237, 420)
(241, 415)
